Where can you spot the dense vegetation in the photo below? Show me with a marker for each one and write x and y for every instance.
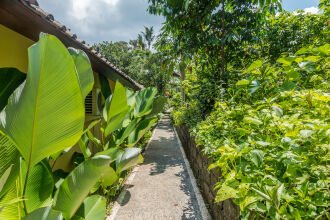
(43, 117)
(255, 94)
(137, 60)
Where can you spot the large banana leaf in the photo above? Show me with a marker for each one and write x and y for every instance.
(140, 130)
(128, 159)
(84, 70)
(45, 213)
(116, 109)
(9, 158)
(46, 114)
(130, 97)
(10, 79)
(158, 106)
(113, 153)
(109, 177)
(10, 207)
(122, 135)
(105, 88)
(76, 186)
(144, 101)
(93, 208)
(40, 186)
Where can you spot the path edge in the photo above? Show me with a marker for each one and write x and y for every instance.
(128, 181)
(205, 213)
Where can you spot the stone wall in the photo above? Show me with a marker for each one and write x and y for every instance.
(206, 179)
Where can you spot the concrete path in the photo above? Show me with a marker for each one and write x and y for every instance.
(163, 186)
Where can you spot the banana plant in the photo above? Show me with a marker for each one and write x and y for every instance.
(44, 115)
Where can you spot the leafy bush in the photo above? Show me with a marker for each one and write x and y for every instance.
(271, 138)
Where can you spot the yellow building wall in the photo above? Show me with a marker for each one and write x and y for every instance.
(14, 49)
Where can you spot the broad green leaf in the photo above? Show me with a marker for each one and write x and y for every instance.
(257, 156)
(286, 61)
(10, 79)
(130, 97)
(140, 130)
(288, 85)
(250, 120)
(226, 192)
(255, 65)
(105, 87)
(4, 177)
(278, 111)
(9, 157)
(116, 109)
(144, 101)
(109, 177)
(39, 187)
(113, 153)
(128, 159)
(78, 183)
(243, 82)
(84, 70)
(46, 113)
(93, 208)
(248, 200)
(9, 203)
(83, 145)
(45, 213)
(126, 131)
(158, 106)
(294, 75)
(324, 50)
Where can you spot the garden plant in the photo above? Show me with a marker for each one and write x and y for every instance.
(43, 116)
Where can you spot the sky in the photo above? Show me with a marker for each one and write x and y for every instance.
(96, 21)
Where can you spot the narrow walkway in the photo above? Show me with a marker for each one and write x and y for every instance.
(161, 188)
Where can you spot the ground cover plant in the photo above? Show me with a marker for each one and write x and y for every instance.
(44, 117)
(255, 95)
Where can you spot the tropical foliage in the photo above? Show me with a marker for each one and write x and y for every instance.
(137, 60)
(255, 96)
(44, 116)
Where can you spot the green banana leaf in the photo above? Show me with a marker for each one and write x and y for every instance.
(130, 97)
(4, 177)
(83, 145)
(10, 79)
(93, 208)
(158, 106)
(46, 113)
(109, 177)
(39, 187)
(11, 209)
(123, 134)
(116, 109)
(140, 130)
(45, 213)
(128, 159)
(105, 88)
(144, 101)
(113, 153)
(9, 157)
(84, 70)
(76, 186)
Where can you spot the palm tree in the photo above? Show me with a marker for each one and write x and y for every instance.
(134, 43)
(141, 43)
(148, 35)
